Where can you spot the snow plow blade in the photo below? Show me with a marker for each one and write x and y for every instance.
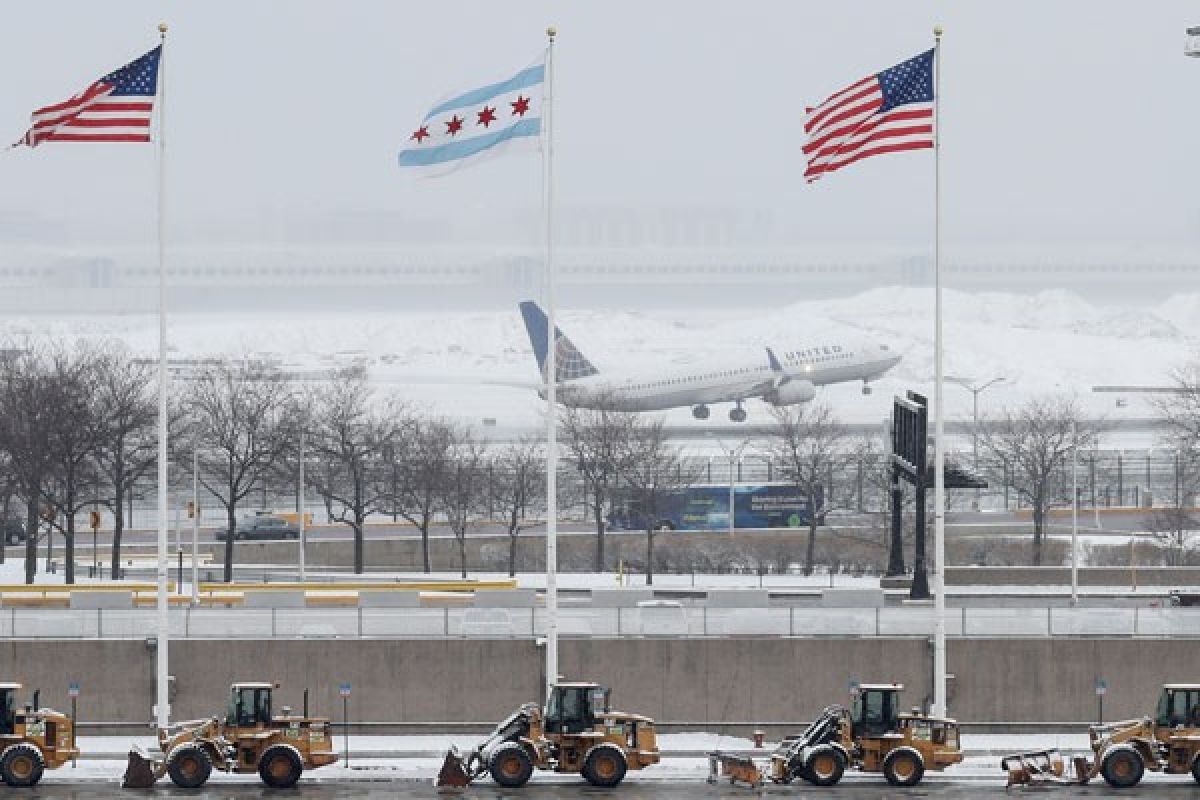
(142, 770)
(453, 774)
(1042, 767)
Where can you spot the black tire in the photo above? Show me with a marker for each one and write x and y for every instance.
(189, 766)
(903, 767)
(510, 765)
(825, 765)
(604, 765)
(1123, 767)
(22, 765)
(1196, 769)
(280, 766)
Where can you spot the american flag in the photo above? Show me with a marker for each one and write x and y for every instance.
(116, 108)
(887, 112)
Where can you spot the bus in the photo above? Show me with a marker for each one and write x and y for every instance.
(705, 507)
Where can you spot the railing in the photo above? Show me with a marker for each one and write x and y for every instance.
(526, 623)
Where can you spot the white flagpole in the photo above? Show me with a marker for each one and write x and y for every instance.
(939, 433)
(162, 711)
(303, 529)
(551, 380)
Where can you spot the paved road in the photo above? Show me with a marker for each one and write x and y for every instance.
(548, 790)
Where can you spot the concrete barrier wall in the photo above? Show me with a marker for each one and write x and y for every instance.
(694, 680)
(682, 551)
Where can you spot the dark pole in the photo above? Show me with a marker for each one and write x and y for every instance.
(920, 584)
(346, 725)
(896, 552)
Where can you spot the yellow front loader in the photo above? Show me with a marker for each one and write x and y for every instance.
(576, 733)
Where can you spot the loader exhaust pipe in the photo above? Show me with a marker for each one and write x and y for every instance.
(37, 699)
(306, 702)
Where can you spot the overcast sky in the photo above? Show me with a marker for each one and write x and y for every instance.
(1063, 122)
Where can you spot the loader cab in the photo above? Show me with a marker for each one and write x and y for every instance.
(8, 708)
(875, 710)
(249, 705)
(1178, 706)
(573, 707)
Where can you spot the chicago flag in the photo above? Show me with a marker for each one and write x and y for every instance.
(478, 124)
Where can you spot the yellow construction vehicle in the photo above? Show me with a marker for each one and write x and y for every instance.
(32, 739)
(1168, 742)
(576, 733)
(249, 739)
(870, 736)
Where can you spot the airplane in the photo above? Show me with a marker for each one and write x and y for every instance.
(781, 379)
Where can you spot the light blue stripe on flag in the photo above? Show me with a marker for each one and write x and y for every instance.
(464, 148)
(528, 77)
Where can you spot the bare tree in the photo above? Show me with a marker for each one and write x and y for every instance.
(127, 443)
(26, 422)
(239, 427)
(598, 440)
(652, 469)
(1174, 529)
(1035, 441)
(518, 487)
(75, 435)
(804, 441)
(422, 462)
(347, 440)
(463, 495)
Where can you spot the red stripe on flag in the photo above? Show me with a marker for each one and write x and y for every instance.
(94, 137)
(875, 151)
(895, 115)
(818, 119)
(89, 122)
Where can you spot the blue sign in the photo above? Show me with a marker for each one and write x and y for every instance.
(73, 689)
(344, 689)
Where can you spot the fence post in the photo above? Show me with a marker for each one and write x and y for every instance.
(359, 609)
(273, 623)
(99, 623)
(1120, 478)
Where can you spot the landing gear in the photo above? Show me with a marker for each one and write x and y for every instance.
(700, 411)
(866, 388)
(737, 413)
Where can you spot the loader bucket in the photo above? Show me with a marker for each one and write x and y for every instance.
(1035, 766)
(453, 774)
(142, 770)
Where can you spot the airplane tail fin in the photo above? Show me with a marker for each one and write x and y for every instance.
(569, 363)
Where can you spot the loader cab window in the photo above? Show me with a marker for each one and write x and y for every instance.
(248, 707)
(8, 711)
(874, 712)
(1179, 707)
(567, 710)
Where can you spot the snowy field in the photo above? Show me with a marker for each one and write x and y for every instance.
(451, 361)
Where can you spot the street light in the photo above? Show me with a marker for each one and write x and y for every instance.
(975, 390)
(732, 455)
(1192, 47)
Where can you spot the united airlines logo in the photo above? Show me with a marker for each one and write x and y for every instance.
(569, 363)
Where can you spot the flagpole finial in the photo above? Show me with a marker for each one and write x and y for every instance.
(552, 32)
(162, 27)
(937, 31)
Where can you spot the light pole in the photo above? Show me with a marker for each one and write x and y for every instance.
(975, 390)
(1192, 47)
(732, 455)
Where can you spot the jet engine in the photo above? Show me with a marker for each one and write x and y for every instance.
(791, 393)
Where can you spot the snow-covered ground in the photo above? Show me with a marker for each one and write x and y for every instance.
(1052, 341)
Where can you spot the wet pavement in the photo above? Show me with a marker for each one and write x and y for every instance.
(1153, 787)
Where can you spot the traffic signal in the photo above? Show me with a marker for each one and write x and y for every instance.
(191, 509)
(95, 519)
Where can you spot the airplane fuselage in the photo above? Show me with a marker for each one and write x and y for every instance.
(730, 381)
